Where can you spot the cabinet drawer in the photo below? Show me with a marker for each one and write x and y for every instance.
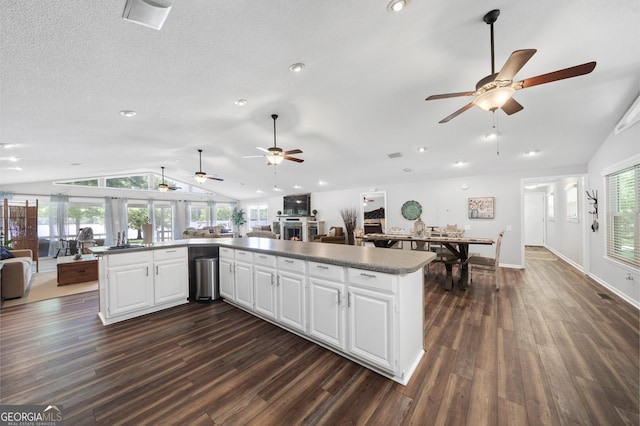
(371, 279)
(170, 253)
(225, 252)
(264, 260)
(129, 258)
(293, 265)
(329, 272)
(244, 256)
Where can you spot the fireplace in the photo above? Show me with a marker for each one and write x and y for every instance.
(292, 231)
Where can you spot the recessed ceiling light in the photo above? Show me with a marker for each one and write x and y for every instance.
(13, 159)
(297, 186)
(422, 149)
(321, 182)
(397, 5)
(490, 136)
(460, 163)
(241, 102)
(7, 145)
(532, 152)
(297, 67)
(127, 113)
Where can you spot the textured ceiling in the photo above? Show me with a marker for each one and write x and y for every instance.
(68, 67)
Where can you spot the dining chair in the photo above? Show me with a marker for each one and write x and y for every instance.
(486, 264)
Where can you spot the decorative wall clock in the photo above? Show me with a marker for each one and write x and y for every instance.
(411, 210)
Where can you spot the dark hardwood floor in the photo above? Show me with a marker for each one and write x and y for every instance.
(545, 349)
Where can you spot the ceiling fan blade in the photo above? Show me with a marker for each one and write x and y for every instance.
(253, 156)
(457, 113)
(263, 149)
(297, 160)
(448, 95)
(515, 63)
(215, 178)
(555, 76)
(293, 151)
(511, 106)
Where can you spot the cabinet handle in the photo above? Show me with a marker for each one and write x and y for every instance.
(288, 261)
(367, 275)
(147, 271)
(348, 300)
(278, 281)
(157, 270)
(339, 301)
(262, 256)
(82, 271)
(230, 268)
(170, 251)
(322, 267)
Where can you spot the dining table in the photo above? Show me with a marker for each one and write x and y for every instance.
(458, 245)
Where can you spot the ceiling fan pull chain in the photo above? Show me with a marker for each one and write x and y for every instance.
(497, 133)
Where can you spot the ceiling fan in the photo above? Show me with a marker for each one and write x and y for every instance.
(163, 187)
(274, 154)
(201, 176)
(496, 90)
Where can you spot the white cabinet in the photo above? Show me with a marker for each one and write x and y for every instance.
(130, 284)
(291, 292)
(138, 283)
(171, 280)
(225, 270)
(371, 326)
(244, 278)
(371, 302)
(327, 304)
(265, 281)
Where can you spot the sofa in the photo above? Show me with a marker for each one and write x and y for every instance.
(335, 236)
(206, 232)
(16, 273)
(263, 234)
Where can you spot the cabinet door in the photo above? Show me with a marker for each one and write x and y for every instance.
(171, 281)
(244, 284)
(291, 300)
(370, 326)
(326, 311)
(226, 278)
(130, 288)
(265, 295)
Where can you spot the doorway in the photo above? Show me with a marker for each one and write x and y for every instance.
(534, 219)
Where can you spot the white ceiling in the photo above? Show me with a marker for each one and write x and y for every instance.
(68, 68)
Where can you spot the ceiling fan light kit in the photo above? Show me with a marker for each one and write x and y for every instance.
(496, 90)
(200, 176)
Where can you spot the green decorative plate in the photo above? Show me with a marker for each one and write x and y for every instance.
(411, 210)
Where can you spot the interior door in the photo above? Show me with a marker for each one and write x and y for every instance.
(534, 218)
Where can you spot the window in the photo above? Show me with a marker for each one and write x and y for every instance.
(623, 211)
(258, 215)
(551, 205)
(163, 220)
(572, 202)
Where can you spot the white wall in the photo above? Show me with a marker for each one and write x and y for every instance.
(443, 202)
(564, 236)
(615, 149)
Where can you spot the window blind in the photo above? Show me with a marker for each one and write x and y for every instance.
(623, 213)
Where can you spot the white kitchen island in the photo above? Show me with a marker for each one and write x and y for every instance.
(363, 303)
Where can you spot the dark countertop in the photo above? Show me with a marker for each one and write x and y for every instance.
(392, 261)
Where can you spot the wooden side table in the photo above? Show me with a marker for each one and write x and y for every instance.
(72, 271)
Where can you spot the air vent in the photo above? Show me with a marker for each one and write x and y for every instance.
(395, 155)
(604, 296)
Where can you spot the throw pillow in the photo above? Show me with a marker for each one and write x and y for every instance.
(6, 254)
(332, 232)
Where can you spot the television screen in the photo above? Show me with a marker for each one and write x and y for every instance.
(297, 205)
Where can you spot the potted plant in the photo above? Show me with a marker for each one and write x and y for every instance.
(237, 217)
(314, 212)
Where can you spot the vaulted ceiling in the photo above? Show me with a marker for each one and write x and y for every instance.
(357, 109)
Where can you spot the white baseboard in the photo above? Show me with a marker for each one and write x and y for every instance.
(566, 259)
(612, 289)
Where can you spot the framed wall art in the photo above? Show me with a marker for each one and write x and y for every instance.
(481, 208)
